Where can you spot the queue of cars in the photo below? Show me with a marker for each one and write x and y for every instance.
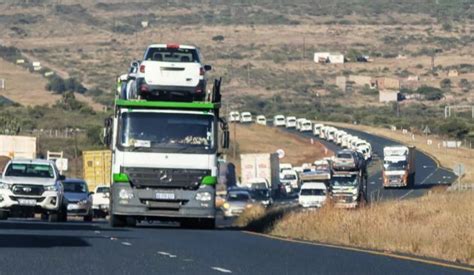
(35, 186)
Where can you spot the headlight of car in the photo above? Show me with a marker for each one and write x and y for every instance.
(4, 185)
(226, 205)
(53, 187)
(203, 196)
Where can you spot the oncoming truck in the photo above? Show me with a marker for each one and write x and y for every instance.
(398, 166)
(164, 160)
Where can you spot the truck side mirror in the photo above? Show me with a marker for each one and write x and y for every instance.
(108, 131)
(62, 177)
(207, 67)
(225, 139)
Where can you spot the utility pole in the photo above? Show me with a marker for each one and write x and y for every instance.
(235, 140)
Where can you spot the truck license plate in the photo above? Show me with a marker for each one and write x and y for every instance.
(165, 196)
(26, 202)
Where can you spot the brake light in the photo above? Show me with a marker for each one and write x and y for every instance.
(201, 71)
(142, 69)
(172, 46)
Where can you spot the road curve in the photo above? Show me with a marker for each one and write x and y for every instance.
(34, 247)
(428, 172)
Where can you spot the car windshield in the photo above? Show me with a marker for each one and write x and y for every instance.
(103, 190)
(30, 170)
(344, 181)
(313, 192)
(394, 166)
(172, 55)
(261, 194)
(167, 132)
(75, 186)
(238, 197)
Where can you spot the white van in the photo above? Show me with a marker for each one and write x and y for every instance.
(312, 194)
(261, 120)
(306, 126)
(317, 129)
(234, 116)
(245, 117)
(299, 122)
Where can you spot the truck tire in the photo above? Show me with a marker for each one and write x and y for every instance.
(88, 218)
(3, 215)
(116, 221)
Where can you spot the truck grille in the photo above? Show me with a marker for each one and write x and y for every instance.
(27, 190)
(165, 178)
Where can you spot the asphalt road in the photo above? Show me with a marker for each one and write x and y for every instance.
(428, 173)
(35, 247)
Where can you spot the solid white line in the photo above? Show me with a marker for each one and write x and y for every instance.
(408, 193)
(166, 254)
(220, 269)
(127, 243)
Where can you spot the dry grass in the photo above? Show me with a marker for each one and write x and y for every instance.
(261, 139)
(249, 215)
(448, 158)
(437, 225)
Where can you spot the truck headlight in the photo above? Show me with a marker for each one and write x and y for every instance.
(125, 195)
(226, 205)
(203, 196)
(53, 187)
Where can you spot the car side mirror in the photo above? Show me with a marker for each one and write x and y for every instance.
(207, 67)
(62, 177)
(91, 193)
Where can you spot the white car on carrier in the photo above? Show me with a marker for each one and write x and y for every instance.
(171, 71)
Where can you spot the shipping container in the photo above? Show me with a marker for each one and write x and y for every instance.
(260, 166)
(18, 146)
(97, 167)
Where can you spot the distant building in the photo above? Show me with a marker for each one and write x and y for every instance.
(387, 83)
(327, 57)
(20, 61)
(362, 80)
(388, 96)
(453, 73)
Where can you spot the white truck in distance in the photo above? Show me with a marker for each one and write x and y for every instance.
(290, 122)
(312, 194)
(261, 119)
(234, 116)
(279, 121)
(306, 126)
(245, 117)
(398, 166)
(317, 129)
(101, 201)
(264, 166)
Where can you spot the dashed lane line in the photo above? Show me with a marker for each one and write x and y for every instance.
(220, 269)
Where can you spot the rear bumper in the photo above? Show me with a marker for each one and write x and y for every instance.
(171, 90)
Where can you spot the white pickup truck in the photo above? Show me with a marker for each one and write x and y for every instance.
(32, 186)
(171, 71)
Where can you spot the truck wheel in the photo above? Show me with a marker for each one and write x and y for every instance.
(116, 221)
(53, 217)
(3, 215)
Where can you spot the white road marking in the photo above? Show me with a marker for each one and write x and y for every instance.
(167, 254)
(97, 232)
(372, 182)
(127, 243)
(220, 269)
(408, 193)
(113, 238)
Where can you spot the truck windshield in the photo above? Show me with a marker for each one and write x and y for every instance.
(395, 166)
(313, 192)
(345, 181)
(29, 170)
(167, 132)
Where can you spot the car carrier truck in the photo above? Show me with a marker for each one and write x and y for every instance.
(164, 160)
(398, 166)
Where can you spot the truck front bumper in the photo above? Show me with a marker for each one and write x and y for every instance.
(144, 202)
(48, 201)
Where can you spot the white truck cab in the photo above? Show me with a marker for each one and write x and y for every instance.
(279, 121)
(290, 122)
(261, 119)
(246, 117)
(234, 116)
(299, 121)
(317, 129)
(306, 126)
(312, 194)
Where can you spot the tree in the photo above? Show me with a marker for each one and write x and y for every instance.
(430, 93)
(445, 83)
